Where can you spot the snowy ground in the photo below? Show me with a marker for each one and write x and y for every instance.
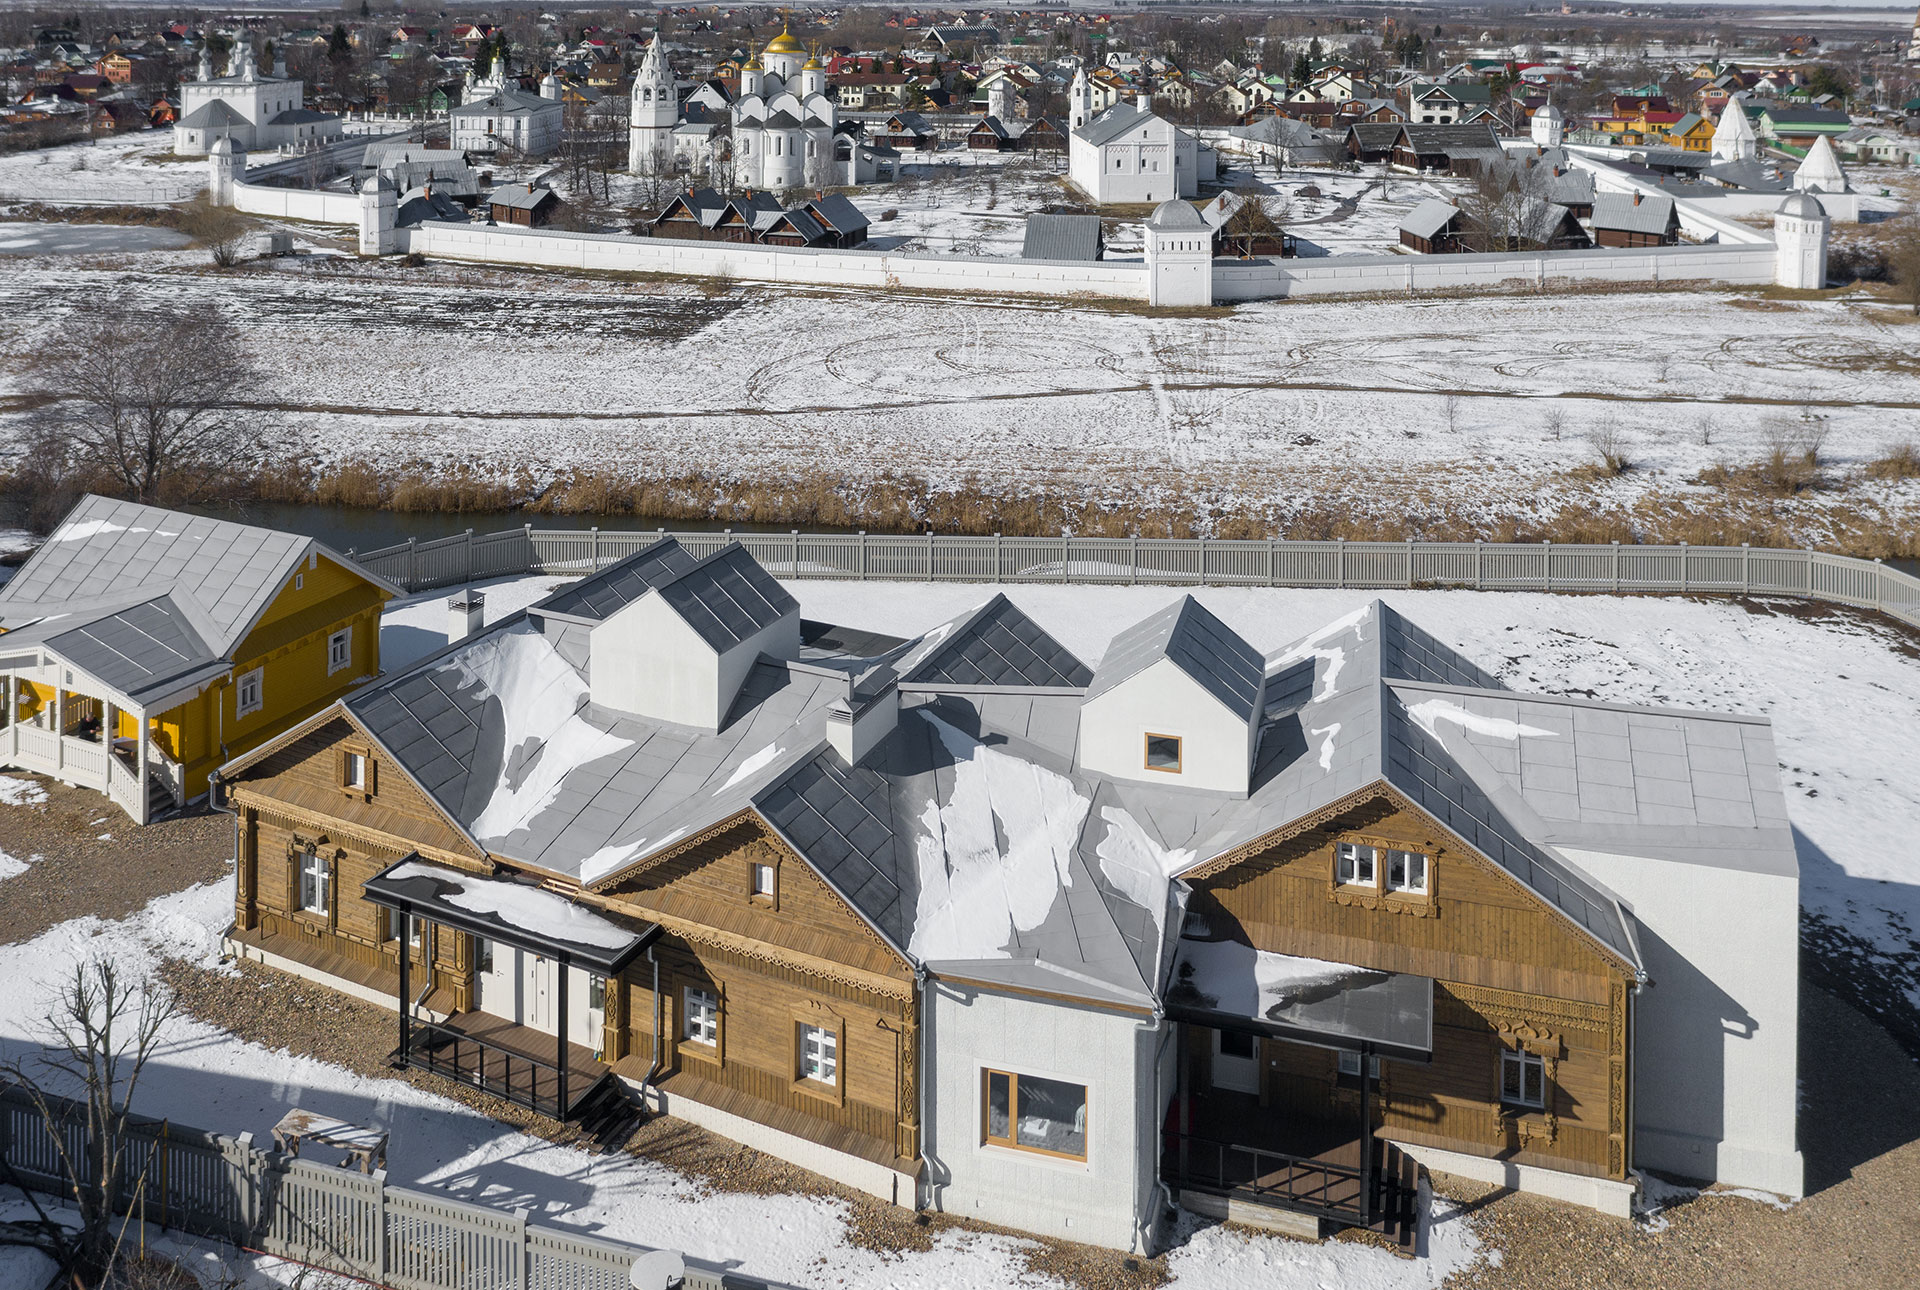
(86, 239)
(129, 169)
(1271, 409)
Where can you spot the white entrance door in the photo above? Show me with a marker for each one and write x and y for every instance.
(498, 977)
(1236, 1062)
(539, 994)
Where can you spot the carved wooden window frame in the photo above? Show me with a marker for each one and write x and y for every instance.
(758, 858)
(1376, 895)
(370, 788)
(817, 1015)
(1532, 1124)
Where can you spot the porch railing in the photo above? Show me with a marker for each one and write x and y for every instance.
(126, 790)
(504, 1072)
(1304, 1184)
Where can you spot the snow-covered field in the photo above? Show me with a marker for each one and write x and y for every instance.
(129, 169)
(1476, 408)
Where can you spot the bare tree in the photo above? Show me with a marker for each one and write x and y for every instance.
(220, 229)
(1903, 260)
(96, 1038)
(145, 404)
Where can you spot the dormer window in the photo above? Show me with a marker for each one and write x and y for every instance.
(1163, 753)
(1357, 865)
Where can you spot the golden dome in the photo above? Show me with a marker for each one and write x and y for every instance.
(784, 43)
(814, 64)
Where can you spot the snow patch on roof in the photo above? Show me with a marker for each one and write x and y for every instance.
(532, 910)
(1138, 867)
(1332, 733)
(1335, 658)
(752, 765)
(995, 855)
(546, 736)
(1247, 982)
(1429, 714)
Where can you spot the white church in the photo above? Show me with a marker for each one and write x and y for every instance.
(1128, 154)
(256, 112)
(784, 125)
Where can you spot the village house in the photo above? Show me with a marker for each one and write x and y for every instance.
(140, 648)
(1634, 219)
(529, 205)
(971, 925)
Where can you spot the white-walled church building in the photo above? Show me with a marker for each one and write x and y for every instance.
(1128, 154)
(256, 112)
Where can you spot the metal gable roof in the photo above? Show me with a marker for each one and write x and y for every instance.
(220, 573)
(1651, 213)
(138, 650)
(600, 595)
(1061, 237)
(1199, 644)
(1429, 217)
(727, 597)
(996, 645)
(1112, 123)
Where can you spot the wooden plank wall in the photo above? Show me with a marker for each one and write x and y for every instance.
(1510, 971)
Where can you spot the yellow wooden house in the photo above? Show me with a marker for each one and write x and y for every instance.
(1691, 133)
(140, 647)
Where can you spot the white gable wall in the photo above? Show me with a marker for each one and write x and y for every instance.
(1216, 747)
(646, 660)
(1111, 1198)
(1716, 1033)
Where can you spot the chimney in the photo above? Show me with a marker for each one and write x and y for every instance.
(866, 716)
(1636, 198)
(529, 185)
(465, 613)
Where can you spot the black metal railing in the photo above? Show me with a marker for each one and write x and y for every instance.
(504, 1072)
(1302, 1183)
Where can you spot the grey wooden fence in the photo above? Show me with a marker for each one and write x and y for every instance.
(339, 1219)
(1491, 566)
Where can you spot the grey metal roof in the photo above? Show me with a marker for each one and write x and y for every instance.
(995, 645)
(727, 597)
(1112, 123)
(1196, 642)
(139, 649)
(1652, 213)
(524, 197)
(1449, 139)
(1062, 237)
(600, 595)
(837, 213)
(1429, 217)
(1176, 214)
(842, 819)
(212, 116)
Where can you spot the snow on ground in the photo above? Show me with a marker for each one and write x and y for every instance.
(130, 169)
(1300, 403)
(15, 791)
(86, 239)
(209, 1078)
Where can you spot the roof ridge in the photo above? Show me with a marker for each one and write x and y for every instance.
(1577, 701)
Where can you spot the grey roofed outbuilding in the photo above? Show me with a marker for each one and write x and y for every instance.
(153, 600)
(1196, 642)
(1446, 140)
(1062, 237)
(1429, 218)
(837, 213)
(1650, 213)
(1374, 136)
(522, 197)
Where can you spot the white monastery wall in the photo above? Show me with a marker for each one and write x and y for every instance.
(1356, 274)
(970, 1031)
(297, 203)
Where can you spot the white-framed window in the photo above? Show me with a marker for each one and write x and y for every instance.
(763, 881)
(1356, 864)
(1407, 871)
(316, 882)
(482, 954)
(339, 650)
(247, 693)
(299, 581)
(819, 1054)
(1350, 1064)
(398, 922)
(703, 1017)
(1523, 1078)
(354, 770)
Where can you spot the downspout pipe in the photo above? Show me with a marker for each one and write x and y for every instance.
(646, 1082)
(1154, 1025)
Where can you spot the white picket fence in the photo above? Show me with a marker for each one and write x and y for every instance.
(339, 1219)
(1488, 566)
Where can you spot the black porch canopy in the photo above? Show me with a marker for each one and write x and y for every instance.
(531, 919)
(511, 912)
(1229, 986)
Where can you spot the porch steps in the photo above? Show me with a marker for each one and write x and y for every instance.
(607, 1116)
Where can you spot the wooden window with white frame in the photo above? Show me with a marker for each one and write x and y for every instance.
(1356, 864)
(1523, 1078)
(1163, 753)
(1407, 871)
(700, 1010)
(340, 650)
(763, 880)
(248, 693)
(314, 872)
(1031, 1113)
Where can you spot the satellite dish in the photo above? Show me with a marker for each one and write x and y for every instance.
(658, 1270)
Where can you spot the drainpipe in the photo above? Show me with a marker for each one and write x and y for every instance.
(646, 1082)
(1157, 1024)
(920, 1084)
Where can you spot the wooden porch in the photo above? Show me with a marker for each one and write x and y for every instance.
(73, 739)
(510, 1061)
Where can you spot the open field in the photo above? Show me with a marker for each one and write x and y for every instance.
(1399, 417)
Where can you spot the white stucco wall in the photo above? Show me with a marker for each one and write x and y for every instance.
(1717, 1032)
(1109, 1200)
(1216, 747)
(646, 660)
(1407, 274)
